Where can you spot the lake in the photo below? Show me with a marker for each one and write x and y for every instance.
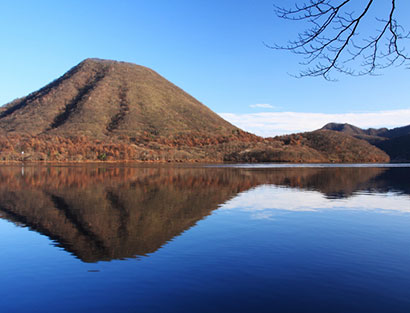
(271, 238)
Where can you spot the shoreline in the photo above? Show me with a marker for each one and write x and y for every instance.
(208, 163)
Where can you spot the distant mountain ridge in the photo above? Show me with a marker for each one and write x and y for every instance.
(395, 142)
(354, 130)
(376, 132)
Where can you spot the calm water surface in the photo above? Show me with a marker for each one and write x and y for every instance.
(243, 239)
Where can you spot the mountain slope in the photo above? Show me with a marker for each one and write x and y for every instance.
(100, 98)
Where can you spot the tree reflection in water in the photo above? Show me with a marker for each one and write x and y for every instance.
(105, 213)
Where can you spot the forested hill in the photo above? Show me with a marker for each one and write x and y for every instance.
(395, 142)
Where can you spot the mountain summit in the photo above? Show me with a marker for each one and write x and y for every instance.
(100, 98)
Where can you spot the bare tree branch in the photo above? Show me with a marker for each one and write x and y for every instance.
(333, 42)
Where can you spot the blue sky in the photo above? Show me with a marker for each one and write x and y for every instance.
(212, 49)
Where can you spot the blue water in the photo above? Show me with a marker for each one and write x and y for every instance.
(204, 240)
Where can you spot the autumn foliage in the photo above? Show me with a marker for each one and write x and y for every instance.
(144, 148)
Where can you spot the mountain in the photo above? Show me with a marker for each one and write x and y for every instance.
(374, 132)
(104, 98)
(354, 131)
(104, 110)
(395, 142)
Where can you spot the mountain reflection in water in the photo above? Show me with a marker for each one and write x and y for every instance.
(121, 212)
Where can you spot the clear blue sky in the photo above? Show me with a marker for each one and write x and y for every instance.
(212, 49)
